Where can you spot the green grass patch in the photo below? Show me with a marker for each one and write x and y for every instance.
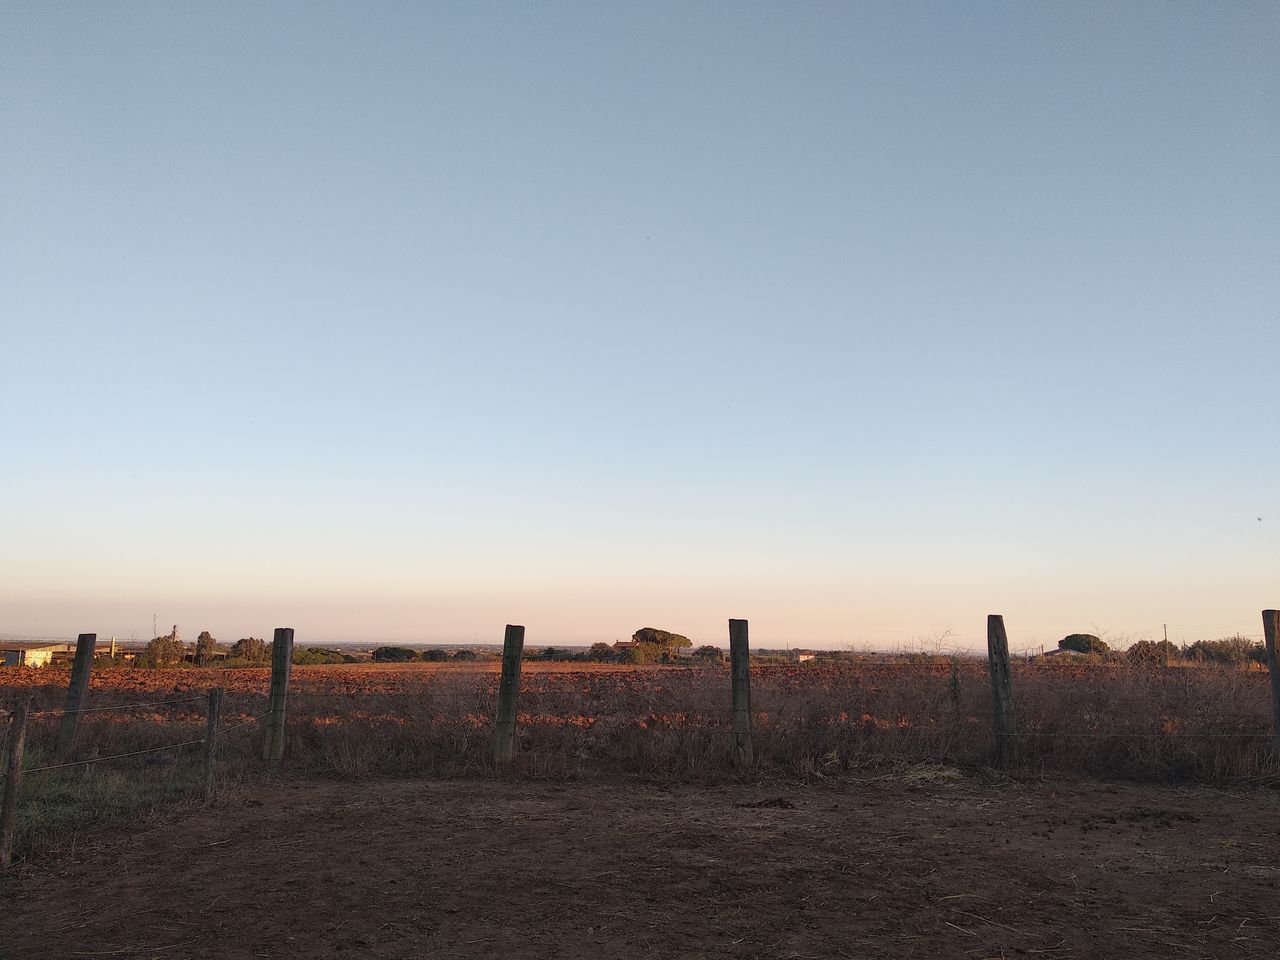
(56, 807)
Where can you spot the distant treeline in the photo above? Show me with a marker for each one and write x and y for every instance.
(170, 651)
(649, 645)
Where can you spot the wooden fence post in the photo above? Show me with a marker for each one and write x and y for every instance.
(212, 719)
(1006, 727)
(13, 779)
(740, 669)
(1271, 633)
(80, 670)
(281, 662)
(504, 733)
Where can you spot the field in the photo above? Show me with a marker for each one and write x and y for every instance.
(1139, 819)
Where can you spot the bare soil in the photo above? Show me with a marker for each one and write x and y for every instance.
(920, 864)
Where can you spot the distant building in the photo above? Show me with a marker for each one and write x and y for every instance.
(625, 644)
(800, 657)
(23, 654)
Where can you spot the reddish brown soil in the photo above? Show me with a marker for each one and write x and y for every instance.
(921, 866)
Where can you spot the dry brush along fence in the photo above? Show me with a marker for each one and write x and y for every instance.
(686, 723)
(813, 719)
(71, 717)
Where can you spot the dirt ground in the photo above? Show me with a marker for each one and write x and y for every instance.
(921, 865)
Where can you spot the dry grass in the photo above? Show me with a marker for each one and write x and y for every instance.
(812, 721)
(670, 724)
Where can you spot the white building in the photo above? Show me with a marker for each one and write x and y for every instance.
(18, 654)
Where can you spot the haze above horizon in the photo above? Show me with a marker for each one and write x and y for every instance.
(859, 322)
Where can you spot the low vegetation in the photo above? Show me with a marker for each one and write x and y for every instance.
(669, 722)
(1206, 719)
(1204, 716)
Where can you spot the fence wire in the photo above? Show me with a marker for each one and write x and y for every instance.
(446, 704)
(118, 756)
(137, 753)
(61, 711)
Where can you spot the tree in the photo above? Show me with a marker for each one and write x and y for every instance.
(709, 654)
(550, 653)
(205, 645)
(251, 649)
(1227, 650)
(164, 650)
(464, 655)
(434, 656)
(394, 655)
(1147, 651)
(600, 651)
(654, 643)
(1083, 643)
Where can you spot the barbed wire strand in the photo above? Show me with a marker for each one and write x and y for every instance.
(118, 756)
(138, 753)
(242, 723)
(115, 706)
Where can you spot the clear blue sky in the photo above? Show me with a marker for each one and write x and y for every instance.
(861, 321)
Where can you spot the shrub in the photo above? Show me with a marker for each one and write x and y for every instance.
(1235, 649)
(316, 655)
(394, 655)
(1147, 651)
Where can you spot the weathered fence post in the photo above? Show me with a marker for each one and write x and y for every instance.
(504, 733)
(1006, 727)
(13, 779)
(211, 738)
(281, 662)
(80, 670)
(740, 669)
(1271, 633)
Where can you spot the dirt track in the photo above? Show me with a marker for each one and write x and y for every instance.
(891, 868)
